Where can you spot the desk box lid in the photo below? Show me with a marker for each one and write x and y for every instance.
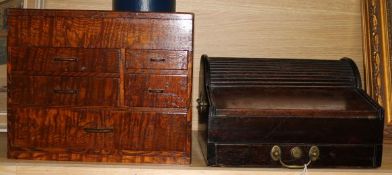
(287, 101)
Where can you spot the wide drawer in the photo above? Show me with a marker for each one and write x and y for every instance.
(167, 91)
(64, 60)
(294, 155)
(99, 131)
(63, 91)
(156, 59)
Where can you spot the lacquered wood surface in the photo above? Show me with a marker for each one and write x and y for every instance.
(100, 86)
(247, 106)
(64, 60)
(156, 91)
(156, 59)
(97, 29)
(281, 99)
(96, 135)
(63, 91)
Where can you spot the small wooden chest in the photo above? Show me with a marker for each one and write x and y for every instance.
(100, 86)
(282, 112)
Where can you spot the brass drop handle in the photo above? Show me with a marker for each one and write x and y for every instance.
(276, 155)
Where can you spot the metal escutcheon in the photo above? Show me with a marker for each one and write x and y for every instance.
(201, 104)
(296, 153)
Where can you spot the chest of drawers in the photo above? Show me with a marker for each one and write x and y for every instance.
(100, 86)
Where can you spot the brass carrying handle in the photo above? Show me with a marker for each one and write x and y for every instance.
(98, 130)
(65, 91)
(276, 155)
(156, 91)
(157, 59)
(65, 59)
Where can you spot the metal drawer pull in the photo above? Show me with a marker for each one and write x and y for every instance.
(98, 130)
(65, 59)
(65, 91)
(156, 91)
(276, 155)
(157, 59)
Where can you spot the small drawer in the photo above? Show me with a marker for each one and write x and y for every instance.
(65, 60)
(63, 91)
(98, 130)
(156, 59)
(167, 91)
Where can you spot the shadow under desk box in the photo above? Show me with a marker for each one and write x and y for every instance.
(100, 86)
(287, 113)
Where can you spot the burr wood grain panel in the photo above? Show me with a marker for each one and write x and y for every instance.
(40, 59)
(63, 91)
(64, 134)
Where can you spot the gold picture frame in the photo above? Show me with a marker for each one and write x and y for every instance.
(377, 47)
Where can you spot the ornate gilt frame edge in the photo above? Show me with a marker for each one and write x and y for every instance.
(377, 55)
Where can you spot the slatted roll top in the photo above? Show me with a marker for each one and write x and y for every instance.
(268, 72)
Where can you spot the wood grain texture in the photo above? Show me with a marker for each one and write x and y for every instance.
(168, 91)
(50, 60)
(99, 30)
(63, 91)
(96, 135)
(262, 28)
(156, 59)
(86, 81)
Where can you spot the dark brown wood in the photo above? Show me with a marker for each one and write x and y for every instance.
(65, 60)
(247, 106)
(156, 59)
(333, 156)
(103, 29)
(99, 86)
(157, 91)
(63, 91)
(93, 129)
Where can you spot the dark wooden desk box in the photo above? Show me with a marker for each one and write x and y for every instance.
(281, 112)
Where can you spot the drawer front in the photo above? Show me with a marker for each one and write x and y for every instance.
(63, 91)
(97, 130)
(150, 131)
(166, 91)
(64, 60)
(330, 155)
(100, 32)
(61, 129)
(156, 59)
